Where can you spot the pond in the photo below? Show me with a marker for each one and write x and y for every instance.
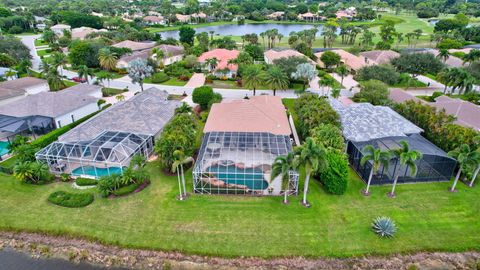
(240, 30)
(13, 260)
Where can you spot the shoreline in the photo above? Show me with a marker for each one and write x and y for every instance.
(76, 250)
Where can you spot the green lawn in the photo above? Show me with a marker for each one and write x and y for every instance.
(108, 92)
(226, 84)
(40, 42)
(171, 81)
(428, 217)
(43, 52)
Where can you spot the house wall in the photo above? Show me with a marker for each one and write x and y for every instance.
(66, 119)
(122, 64)
(173, 59)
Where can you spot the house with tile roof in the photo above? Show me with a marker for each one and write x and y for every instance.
(222, 67)
(380, 56)
(273, 54)
(135, 45)
(154, 20)
(466, 113)
(351, 61)
(15, 89)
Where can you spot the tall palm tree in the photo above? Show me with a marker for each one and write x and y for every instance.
(406, 159)
(54, 80)
(476, 141)
(378, 158)
(211, 63)
(466, 158)
(59, 60)
(335, 93)
(312, 158)
(107, 59)
(342, 70)
(276, 79)
(471, 57)
(159, 55)
(252, 77)
(84, 72)
(282, 166)
(177, 166)
(443, 54)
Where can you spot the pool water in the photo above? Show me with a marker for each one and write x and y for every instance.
(90, 170)
(250, 177)
(4, 148)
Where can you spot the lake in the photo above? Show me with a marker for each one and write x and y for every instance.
(240, 30)
(12, 260)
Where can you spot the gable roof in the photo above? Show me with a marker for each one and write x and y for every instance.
(350, 60)
(22, 83)
(257, 114)
(466, 113)
(144, 54)
(222, 55)
(364, 122)
(171, 49)
(400, 96)
(83, 32)
(51, 104)
(274, 54)
(153, 18)
(134, 45)
(380, 56)
(145, 113)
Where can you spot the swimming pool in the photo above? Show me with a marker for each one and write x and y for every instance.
(4, 148)
(90, 170)
(250, 177)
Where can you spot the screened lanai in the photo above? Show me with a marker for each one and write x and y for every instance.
(108, 153)
(434, 166)
(240, 163)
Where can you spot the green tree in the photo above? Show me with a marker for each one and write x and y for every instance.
(84, 72)
(378, 158)
(252, 77)
(406, 159)
(305, 73)
(466, 158)
(177, 166)
(418, 63)
(282, 166)
(388, 32)
(107, 59)
(59, 60)
(342, 70)
(138, 70)
(330, 58)
(23, 171)
(202, 96)
(187, 35)
(276, 79)
(372, 91)
(312, 158)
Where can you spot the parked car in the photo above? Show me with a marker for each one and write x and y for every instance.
(79, 80)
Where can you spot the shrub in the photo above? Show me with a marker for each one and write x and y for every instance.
(436, 94)
(372, 91)
(202, 96)
(217, 98)
(449, 43)
(384, 227)
(335, 176)
(312, 111)
(65, 177)
(72, 200)
(329, 136)
(107, 184)
(86, 182)
(160, 77)
(383, 73)
(125, 190)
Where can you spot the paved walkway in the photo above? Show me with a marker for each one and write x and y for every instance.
(197, 80)
(348, 82)
(29, 41)
(431, 83)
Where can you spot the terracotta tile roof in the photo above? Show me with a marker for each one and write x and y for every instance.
(257, 114)
(82, 32)
(452, 61)
(272, 55)
(350, 60)
(153, 18)
(466, 113)
(222, 55)
(380, 56)
(134, 45)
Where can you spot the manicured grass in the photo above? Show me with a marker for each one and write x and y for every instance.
(108, 92)
(40, 42)
(177, 27)
(413, 84)
(43, 52)
(233, 85)
(428, 218)
(171, 81)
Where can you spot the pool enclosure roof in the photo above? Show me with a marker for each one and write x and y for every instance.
(16, 125)
(108, 147)
(415, 141)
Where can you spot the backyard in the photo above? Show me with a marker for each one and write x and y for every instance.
(428, 217)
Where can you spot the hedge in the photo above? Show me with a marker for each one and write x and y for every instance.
(71, 200)
(125, 190)
(335, 177)
(160, 77)
(86, 182)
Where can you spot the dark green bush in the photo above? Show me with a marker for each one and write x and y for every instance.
(329, 136)
(335, 177)
(125, 190)
(202, 96)
(383, 73)
(71, 200)
(86, 182)
(160, 77)
(312, 111)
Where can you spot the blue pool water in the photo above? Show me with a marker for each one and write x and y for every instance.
(90, 170)
(4, 148)
(250, 177)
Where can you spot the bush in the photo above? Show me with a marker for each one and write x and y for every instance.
(71, 200)
(372, 91)
(449, 43)
(160, 77)
(202, 96)
(86, 182)
(312, 111)
(125, 190)
(335, 176)
(329, 136)
(384, 227)
(383, 73)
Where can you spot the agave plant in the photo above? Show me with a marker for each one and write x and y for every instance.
(384, 226)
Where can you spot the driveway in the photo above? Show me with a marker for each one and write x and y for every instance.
(29, 41)
(431, 83)
(348, 82)
(197, 80)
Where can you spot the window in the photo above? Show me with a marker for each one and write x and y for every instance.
(59, 124)
(73, 118)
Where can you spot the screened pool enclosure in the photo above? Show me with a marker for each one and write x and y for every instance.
(435, 165)
(240, 163)
(108, 153)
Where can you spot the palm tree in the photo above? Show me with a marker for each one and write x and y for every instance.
(252, 77)
(378, 158)
(184, 108)
(107, 59)
(466, 158)
(312, 158)
(342, 70)
(326, 82)
(159, 55)
(335, 93)
(406, 158)
(211, 63)
(276, 79)
(84, 72)
(262, 35)
(23, 171)
(282, 166)
(471, 57)
(10, 74)
(39, 171)
(443, 54)
(54, 80)
(177, 166)
(59, 60)
(476, 141)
